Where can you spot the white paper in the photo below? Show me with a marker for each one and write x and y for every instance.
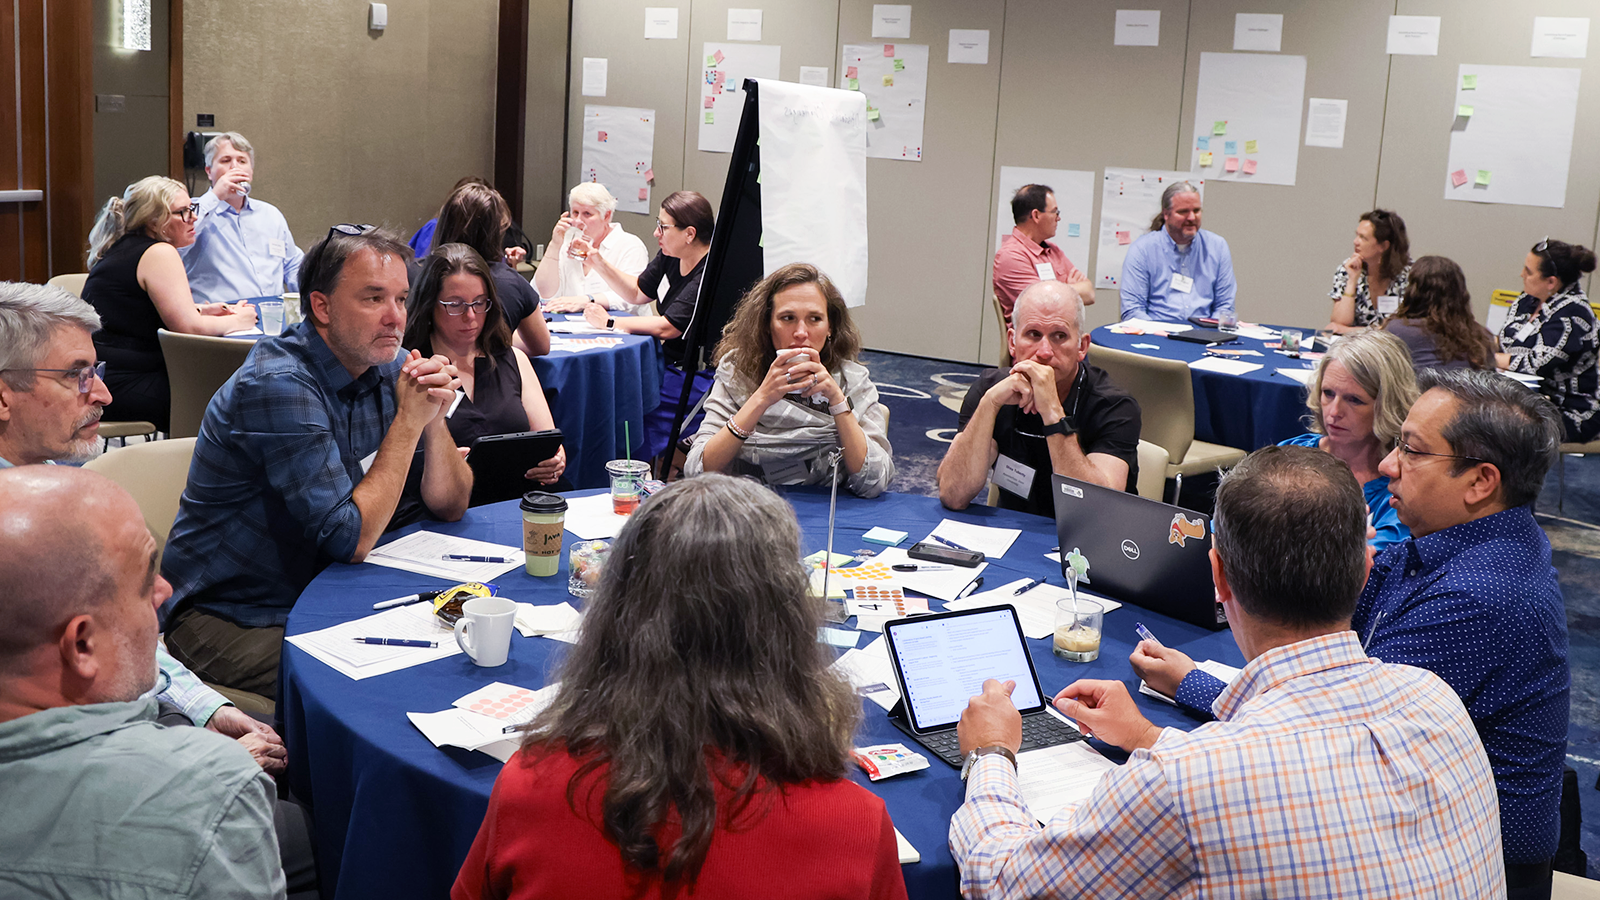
(908, 853)
(814, 182)
(1129, 199)
(1510, 103)
(816, 76)
(661, 23)
(891, 20)
(244, 331)
(421, 552)
(897, 132)
(1258, 98)
(1036, 607)
(457, 728)
(1258, 31)
(591, 519)
(1138, 28)
(594, 76)
(1325, 122)
(1056, 778)
(744, 24)
(336, 646)
(1499, 311)
(1225, 366)
(618, 146)
(536, 620)
(940, 584)
(739, 61)
(1221, 671)
(969, 46)
(1145, 326)
(1256, 332)
(1301, 375)
(1560, 38)
(1413, 35)
(1074, 192)
(991, 542)
(870, 673)
(576, 324)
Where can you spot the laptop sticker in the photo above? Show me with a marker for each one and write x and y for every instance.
(1183, 529)
(1079, 564)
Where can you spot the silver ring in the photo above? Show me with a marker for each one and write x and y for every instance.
(813, 381)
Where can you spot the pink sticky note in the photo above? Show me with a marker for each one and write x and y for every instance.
(649, 174)
(644, 193)
(1124, 237)
(1458, 177)
(1232, 165)
(602, 137)
(851, 72)
(720, 77)
(1249, 167)
(719, 56)
(888, 50)
(710, 102)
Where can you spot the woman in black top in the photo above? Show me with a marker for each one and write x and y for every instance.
(683, 228)
(137, 285)
(1551, 333)
(476, 215)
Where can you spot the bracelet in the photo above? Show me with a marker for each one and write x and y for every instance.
(736, 431)
(840, 408)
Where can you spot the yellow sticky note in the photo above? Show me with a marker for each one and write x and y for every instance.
(1221, 127)
(1464, 112)
(1249, 146)
(710, 118)
(872, 115)
(888, 81)
(1483, 177)
(1205, 160)
(1469, 82)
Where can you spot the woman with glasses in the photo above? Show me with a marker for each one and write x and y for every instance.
(454, 310)
(1435, 319)
(476, 215)
(672, 281)
(1359, 397)
(1368, 285)
(137, 284)
(699, 740)
(1551, 333)
(789, 391)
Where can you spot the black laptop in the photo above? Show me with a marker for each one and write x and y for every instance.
(1140, 551)
(941, 661)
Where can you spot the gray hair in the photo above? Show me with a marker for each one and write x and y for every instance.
(232, 137)
(1291, 528)
(1502, 423)
(1381, 364)
(1040, 291)
(592, 193)
(29, 316)
(1173, 190)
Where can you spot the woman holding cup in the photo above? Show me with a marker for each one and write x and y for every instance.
(568, 281)
(1368, 285)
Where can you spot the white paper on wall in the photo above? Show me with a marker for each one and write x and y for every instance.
(894, 77)
(1325, 122)
(744, 24)
(891, 20)
(1138, 28)
(1258, 31)
(660, 23)
(814, 75)
(1413, 36)
(1255, 101)
(724, 67)
(618, 143)
(969, 46)
(814, 182)
(1560, 38)
(1074, 192)
(1516, 146)
(1129, 199)
(594, 76)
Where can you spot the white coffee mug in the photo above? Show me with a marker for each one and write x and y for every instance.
(484, 630)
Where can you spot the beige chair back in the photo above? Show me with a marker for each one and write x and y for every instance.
(196, 366)
(72, 282)
(1005, 331)
(1164, 391)
(154, 473)
(1152, 481)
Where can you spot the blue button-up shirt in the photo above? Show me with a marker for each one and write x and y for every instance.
(1147, 291)
(268, 503)
(1479, 605)
(239, 255)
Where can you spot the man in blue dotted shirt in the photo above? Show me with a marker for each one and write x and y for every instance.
(1471, 596)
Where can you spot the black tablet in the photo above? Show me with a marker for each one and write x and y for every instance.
(499, 462)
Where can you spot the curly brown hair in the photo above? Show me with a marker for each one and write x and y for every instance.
(748, 335)
(1437, 299)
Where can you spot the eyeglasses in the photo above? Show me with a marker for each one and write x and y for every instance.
(188, 213)
(85, 375)
(1407, 450)
(457, 307)
(1053, 212)
(351, 230)
(662, 226)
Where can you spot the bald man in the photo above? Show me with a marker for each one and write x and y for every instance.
(99, 800)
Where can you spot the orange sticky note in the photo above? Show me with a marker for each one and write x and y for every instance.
(1458, 177)
(888, 50)
(1249, 167)
(1124, 237)
(710, 102)
(1231, 165)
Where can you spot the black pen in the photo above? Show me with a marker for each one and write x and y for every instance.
(913, 567)
(976, 583)
(1028, 587)
(951, 544)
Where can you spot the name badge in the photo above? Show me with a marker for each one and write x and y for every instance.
(1013, 476)
(276, 248)
(1387, 304)
(785, 471)
(1183, 284)
(1525, 331)
(1045, 272)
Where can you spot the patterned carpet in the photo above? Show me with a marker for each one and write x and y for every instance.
(924, 397)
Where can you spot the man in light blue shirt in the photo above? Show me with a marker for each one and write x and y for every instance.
(1176, 270)
(242, 247)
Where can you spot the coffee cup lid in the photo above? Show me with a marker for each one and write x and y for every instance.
(541, 502)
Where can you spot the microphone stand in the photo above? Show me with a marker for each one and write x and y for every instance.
(835, 611)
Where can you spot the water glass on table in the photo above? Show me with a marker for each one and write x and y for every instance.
(271, 316)
(1078, 629)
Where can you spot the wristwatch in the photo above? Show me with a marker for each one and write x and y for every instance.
(842, 407)
(972, 758)
(611, 322)
(1062, 427)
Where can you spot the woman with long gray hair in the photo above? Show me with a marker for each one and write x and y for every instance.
(699, 738)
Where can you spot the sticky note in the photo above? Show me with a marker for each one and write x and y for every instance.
(850, 72)
(1203, 143)
(649, 174)
(711, 100)
(872, 115)
(899, 65)
(1205, 159)
(1249, 146)
(888, 51)
(880, 535)
(710, 60)
(719, 77)
(1249, 167)
(1124, 237)
(1464, 112)
(1221, 127)
(1231, 165)
(1072, 230)
(1469, 82)
(1458, 177)
(1230, 147)
(888, 81)
(710, 118)
(718, 56)
(1483, 177)
(644, 193)
(855, 85)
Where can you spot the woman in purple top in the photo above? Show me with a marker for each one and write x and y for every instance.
(1435, 319)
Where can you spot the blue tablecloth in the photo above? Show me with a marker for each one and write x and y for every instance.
(1247, 411)
(395, 816)
(599, 390)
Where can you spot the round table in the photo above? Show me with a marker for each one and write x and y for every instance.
(1247, 411)
(395, 816)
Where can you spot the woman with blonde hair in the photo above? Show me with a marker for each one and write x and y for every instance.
(1358, 399)
(137, 284)
(789, 390)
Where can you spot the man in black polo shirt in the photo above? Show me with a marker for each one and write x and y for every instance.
(1051, 412)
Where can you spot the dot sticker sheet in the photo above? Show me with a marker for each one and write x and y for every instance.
(506, 702)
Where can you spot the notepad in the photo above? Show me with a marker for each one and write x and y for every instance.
(1225, 366)
(1058, 778)
(422, 552)
(337, 648)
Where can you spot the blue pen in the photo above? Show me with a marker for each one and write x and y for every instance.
(1028, 587)
(1145, 633)
(951, 544)
(465, 557)
(396, 642)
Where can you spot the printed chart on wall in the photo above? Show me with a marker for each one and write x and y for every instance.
(895, 79)
(617, 146)
(1247, 117)
(1494, 157)
(1074, 194)
(724, 69)
(1129, 199)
